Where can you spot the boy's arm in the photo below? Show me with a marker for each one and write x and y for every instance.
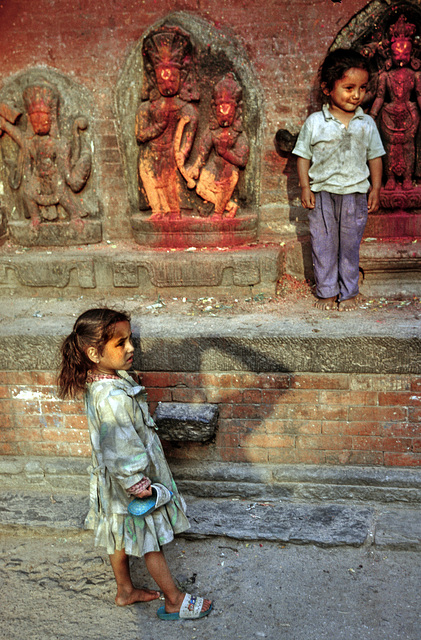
(376, 171)
(307, 196)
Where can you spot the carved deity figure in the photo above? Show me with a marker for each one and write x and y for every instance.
(169, 89)
(50, 169)
(398, 115)
(223, 150)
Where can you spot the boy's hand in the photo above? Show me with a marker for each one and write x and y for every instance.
(373, 200)
(307, 198)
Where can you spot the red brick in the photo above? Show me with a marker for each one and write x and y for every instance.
(324, 442)
(252, 396)
(265, 440)
(414, 414)
(282, 456)
(377, 414)
(402, 459)
(309, 456)
(416, 445)
(320, 381)
(354, 428)
(290, 397)
(5, 391)
(416, 384)
(381, 444)
(248, 411)
(224, 395)
(159, 395)
(366, 458)
(351, 398)
(8, 435)
(292, 426)
(400, 399)
(179, 394)
(76, 422)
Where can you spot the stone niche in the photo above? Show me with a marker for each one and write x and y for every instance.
(189, 114)
(388, 34)
(47, 181)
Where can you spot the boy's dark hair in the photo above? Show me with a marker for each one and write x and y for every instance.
(94, 328)
(337, 63)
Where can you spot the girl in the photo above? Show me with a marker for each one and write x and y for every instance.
(127, 458)
(335, 146)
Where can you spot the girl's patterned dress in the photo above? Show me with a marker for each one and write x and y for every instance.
(126, 448)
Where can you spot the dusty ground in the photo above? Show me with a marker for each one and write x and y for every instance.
(57, 586)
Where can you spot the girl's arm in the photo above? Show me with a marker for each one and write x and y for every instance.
(376, 171)
(307, 196)
(123, 451)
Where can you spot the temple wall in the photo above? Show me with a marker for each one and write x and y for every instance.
(326, 417)
(91, 42)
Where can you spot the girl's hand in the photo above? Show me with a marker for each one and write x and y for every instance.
(307, 198)
(146, 493)
(140, 488)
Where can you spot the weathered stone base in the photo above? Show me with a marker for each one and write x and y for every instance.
(194, 232)
(133, 271)
(391, 268)
(394, 224)
(61, 234)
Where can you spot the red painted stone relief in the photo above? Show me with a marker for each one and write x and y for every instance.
(192, 146)
(397, 104)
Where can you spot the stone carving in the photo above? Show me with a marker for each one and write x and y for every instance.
(191, 181)
(398, 115)
(48, 193)
(50, 169)
(169, 86)
(224, 149)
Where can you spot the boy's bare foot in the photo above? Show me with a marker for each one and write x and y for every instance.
(349, 305)
(136, 595)
(326, 303)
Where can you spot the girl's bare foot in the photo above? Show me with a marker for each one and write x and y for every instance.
(124, 598)
(326, 303)
(173, 607)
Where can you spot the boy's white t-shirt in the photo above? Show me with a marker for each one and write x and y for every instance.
(338, 154)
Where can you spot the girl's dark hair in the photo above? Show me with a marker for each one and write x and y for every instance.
(337, 63)
(94, 328)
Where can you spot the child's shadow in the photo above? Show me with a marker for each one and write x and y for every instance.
(284, 141)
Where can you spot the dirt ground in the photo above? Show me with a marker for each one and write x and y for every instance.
(57, 586)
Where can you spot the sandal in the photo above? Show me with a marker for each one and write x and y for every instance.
(191, 608)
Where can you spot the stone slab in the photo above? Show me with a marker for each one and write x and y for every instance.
(183, 421)
(306, 342)
(398, 529)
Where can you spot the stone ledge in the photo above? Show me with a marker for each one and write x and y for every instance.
(289, 483)
(257, 343)
(327, 525)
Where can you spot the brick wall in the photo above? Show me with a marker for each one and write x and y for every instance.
(340, 419)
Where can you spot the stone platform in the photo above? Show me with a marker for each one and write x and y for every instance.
(126, 269)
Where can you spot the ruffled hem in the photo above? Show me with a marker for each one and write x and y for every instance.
(135, 534)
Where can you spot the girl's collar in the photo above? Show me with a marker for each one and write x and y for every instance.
(95, 377)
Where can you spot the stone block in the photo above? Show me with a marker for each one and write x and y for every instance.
(181, 421)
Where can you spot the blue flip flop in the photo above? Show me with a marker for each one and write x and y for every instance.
(191, 609)
(143, 506)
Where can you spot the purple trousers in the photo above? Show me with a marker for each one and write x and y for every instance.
(337, 225)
